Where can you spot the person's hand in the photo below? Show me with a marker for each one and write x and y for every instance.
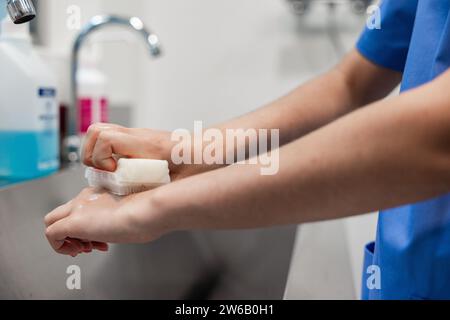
(103, 141)
(95, 218)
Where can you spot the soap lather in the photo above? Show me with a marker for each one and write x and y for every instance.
(131, 176)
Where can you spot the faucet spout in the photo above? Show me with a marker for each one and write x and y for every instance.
(21, 11)
(96, 23)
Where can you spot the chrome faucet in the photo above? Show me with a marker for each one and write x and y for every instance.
(72, 143)
(20, 11)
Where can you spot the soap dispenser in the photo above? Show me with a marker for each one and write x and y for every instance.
(29, 115)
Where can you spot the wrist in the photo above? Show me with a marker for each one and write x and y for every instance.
(187, 163)
(168, 206)
(150, 216)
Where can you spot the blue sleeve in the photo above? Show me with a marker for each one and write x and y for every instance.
(389, 45)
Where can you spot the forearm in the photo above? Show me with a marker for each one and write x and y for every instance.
(352, 83)
(390, 153)
(301, 111)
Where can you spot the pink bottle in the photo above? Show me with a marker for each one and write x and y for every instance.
(93, 103)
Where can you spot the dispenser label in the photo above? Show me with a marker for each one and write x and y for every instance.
(48, 128)
(47, 92)
(48, 112)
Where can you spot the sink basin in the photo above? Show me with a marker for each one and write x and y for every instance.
(223, 265)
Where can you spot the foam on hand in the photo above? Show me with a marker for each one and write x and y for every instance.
(131, 176)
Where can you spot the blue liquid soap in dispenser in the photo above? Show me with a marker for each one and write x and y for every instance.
(29, 119)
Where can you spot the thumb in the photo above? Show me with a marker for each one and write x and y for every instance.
(57, 234)
(110, 143)
(91, 138)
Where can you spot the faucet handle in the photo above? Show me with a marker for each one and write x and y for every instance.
(21, 11)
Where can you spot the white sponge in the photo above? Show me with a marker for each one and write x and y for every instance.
(131, 176)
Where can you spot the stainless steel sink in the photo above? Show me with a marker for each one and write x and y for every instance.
(223, 265)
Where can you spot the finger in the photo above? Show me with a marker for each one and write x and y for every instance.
(102, 155)
(57, 233)
(68, 249)
(78, 245)
(58, 214)
(110, 143)
(89, 143)
(100, 246)
(87, 246)
(91, 138)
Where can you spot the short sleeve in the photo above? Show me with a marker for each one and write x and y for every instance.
(389, 45)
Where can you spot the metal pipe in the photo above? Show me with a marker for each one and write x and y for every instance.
(97, 23)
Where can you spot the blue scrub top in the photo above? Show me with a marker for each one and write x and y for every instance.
(411, 256)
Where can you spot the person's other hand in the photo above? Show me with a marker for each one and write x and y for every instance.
(95, 218)
(104, 140)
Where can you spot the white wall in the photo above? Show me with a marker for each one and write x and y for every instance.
(53, 21)
(222, 58)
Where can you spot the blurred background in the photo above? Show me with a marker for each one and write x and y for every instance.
(219, 59)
